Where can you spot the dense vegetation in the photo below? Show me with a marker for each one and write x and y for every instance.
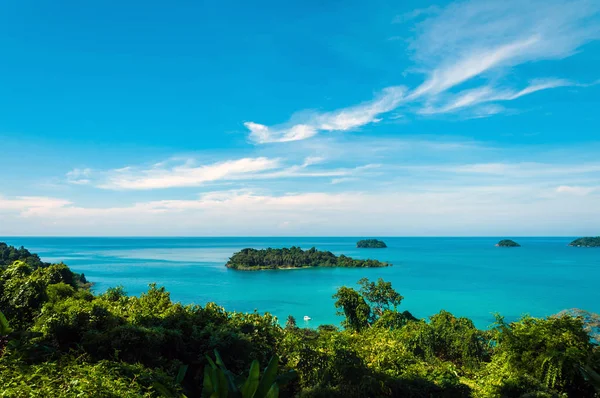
(294, 257)
(371, 244)
(10, 254)
(507, 243)
(60, 340)
(586, 242)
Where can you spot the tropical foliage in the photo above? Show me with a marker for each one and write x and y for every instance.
(10, 254)
(507, 243)
(294, 257)
(60, 340)
(371, 244)
(219, 382)
(586, 242)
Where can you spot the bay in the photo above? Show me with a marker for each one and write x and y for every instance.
(466, 276)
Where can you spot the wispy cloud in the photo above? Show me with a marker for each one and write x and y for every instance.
(458, 44)
(443, 211)
(186, 174)
(480, 35)
(342, 180)
(455, 73)
(179, 173)
(416, 13)
(79, 176)
(576, 190)
(25, 204)
(341, 120)
(469, 39)
(473, 97)
(514, 170)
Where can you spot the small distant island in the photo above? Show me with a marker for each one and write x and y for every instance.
(371, 244)
(507, 243)
(589, 241)
(294, 258)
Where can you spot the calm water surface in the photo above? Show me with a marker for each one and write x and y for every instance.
(466, 276)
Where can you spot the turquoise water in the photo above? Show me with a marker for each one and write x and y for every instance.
(466, 276)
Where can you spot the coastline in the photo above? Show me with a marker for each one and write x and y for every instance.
(466, 273)
(270, 269)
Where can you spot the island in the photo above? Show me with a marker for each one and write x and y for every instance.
(294, 258)
(507, 243)
(589, 241)
(371, 244)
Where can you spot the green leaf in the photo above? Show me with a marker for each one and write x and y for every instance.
(162, 390)
(181, 373)
(208, 387)
(223, 389)
(229, 376)
(273, 392)
(220, 360)
(251, 384)
(4, 325)
(211, 363)
(269, 377)
(592, 376)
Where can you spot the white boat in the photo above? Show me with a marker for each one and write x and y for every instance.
(306, 318)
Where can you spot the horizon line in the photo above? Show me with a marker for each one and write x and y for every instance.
(288, 236)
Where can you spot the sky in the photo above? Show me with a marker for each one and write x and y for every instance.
(307, 118)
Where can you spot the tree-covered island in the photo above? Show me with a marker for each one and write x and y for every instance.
(507, 243)
(294, 257)
(371, 244)
(586, 242)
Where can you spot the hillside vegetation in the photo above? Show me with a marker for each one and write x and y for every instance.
(57, 339)
(371, 244)
(507, 243)
(586, 242)
(294, 257)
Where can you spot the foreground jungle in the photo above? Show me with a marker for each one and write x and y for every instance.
(58, 339)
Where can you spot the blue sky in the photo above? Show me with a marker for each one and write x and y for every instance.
(300, 118)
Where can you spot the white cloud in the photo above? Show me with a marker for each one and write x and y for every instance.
(523, 169)
(79, 176)
(454, 45)
(490, 210)
(528, 169)
(341, 120)
(177, 172)
(472, 97)
(312, 160)
(538, 85)
(482, 34)
(472, 65)
(468, 39)
(485, 111)
(419, 12)
(263, 134)
(186, 175)
(27, 204)
(576, 190)
(342, 180)
(300, 172)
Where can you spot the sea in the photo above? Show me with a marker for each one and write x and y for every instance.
(468, 277)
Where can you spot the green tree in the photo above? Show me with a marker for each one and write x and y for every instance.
(552, 350)
(380, 295)
(291, 323)
(353, 307)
